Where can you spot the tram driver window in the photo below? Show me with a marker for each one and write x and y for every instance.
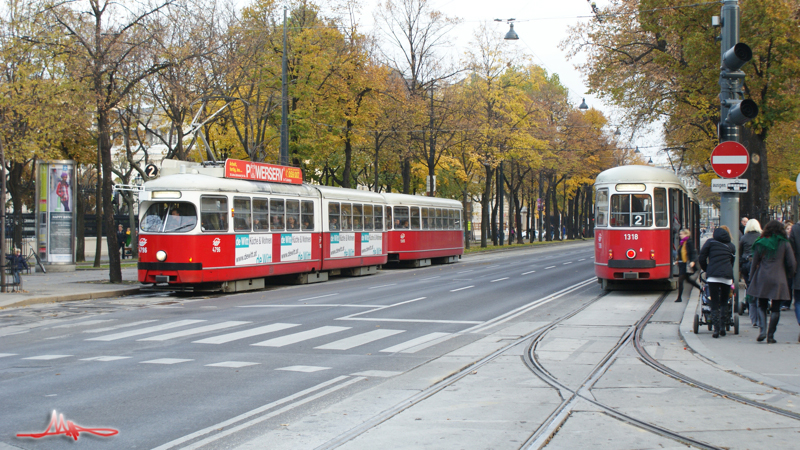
(214, 213)
(169, 218)
(631, 210)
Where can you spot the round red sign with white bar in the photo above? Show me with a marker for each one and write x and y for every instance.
(730, 159)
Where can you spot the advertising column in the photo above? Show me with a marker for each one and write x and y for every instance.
(55, 215)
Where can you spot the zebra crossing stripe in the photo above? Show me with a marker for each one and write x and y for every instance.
(232, 364)
(300, 337)
(359, 339)
(140, 331)
(223, 338)
(408, 346)
(198, 330)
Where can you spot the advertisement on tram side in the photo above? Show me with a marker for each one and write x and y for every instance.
(253, 249)
(343, 245)
(295, 247)
(371, 244)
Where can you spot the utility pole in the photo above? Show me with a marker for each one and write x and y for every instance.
(284, 98)
(735, 110)
(3, 219)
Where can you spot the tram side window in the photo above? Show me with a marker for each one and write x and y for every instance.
(292, 215)
(358, 217)
(401, 217)
(601, 208)
(378, 218)
(241, 214)
(334, 222)
(631, 210)
(660, 199)
(388, 218)
(276, 212)
(439, 219)
(214, 213)
(367, 217)
(451, 221)
(414, 218)
(171, 217)
(260, 214)
(425, 225)
(457, 216)
(307, 207)
(346, 223)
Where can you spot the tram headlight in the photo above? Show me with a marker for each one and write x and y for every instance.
(161, 255)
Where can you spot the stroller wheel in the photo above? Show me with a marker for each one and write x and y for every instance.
(696, 324)
(741, 308)
(736, 325)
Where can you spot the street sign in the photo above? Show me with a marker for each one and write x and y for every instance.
(735, 185)
(730, 159)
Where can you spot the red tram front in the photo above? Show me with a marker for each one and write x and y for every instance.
(639, 211)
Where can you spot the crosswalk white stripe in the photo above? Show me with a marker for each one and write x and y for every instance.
(359, 339)
(414, 342)
(105, 358)
(232, 364)
(223, 338)
(166, 361)
(48, 357)
(198, 330)
(140, 331)
(301, 336)
(116, 327)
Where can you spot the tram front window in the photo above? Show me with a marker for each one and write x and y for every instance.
(169, 218)
(631, 210)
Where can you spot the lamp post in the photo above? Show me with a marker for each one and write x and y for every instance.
(284, 99)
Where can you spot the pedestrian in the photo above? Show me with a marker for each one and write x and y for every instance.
(787, 303)
(742, 225)
(686, 258)
(716, 259)
(752, 231)
(17, 264)
(773, 263)
(121, 237)
(794, 239)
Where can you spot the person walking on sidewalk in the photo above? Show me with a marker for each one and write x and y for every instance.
(716, 259)
(794, 239)
(121, 240)
(686, 258)
(17, 264)
(752, 231)
(773, 263)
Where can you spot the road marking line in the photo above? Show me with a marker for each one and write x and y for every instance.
(549, 267)
(300, 337)
(461, 289)
(499, 279)
(359, 339)
(369, 319)
(320, 296)
(526, 273)
(166, 361)
(232, 364)
(431, 278)
(306, 369)
(84, 323)
(568, 262)
(465, 271)
(47, 357)
(584, 259)
(3, 355)
(313, 305)
(377, 373)
(116, 327)
(198, 330)
(223, 338)
(105, 358)
(125, 334)
(382, 286)
(411, 346)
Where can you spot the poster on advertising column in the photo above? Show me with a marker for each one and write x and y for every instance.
(55, 211)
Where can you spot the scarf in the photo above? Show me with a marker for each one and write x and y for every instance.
(768, 246)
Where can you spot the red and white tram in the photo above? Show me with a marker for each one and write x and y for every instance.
(201, 228)
(639, 211)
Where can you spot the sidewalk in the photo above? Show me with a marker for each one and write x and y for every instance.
(83, 284)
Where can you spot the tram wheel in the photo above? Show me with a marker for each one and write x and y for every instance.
(604, 284)
(735, 324)
(696, 324)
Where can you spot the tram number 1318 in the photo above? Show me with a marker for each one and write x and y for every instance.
(631, 236)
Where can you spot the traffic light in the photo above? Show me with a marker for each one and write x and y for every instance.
(735, 110)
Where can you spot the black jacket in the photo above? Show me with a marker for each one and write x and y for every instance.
(717, 255)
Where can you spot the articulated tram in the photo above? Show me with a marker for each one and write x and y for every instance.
(639, 211)
(215, 228)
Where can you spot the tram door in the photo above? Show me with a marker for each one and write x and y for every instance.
(675, 221)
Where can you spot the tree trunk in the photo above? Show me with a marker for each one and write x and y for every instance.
(104, 146)
(755, 203)
(80, 224)
(487, 194)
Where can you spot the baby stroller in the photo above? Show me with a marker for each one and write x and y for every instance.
(704, 317)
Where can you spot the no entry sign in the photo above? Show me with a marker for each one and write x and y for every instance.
(730, 159)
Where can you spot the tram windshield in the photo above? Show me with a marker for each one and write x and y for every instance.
(631, 210)
(169, 218)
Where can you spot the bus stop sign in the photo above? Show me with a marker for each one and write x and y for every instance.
(730, 159)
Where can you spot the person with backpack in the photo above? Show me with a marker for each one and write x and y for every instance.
(716, 259)
(773, 264)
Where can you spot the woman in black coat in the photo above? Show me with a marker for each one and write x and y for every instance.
(686, 257)
(752, 231)
(773, 263)
(716, 259)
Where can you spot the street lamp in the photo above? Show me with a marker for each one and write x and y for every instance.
(511, 35)
(583, 106)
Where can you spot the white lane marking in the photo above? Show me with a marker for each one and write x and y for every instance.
(549, 267)
(461, 289)
(382, 286)
(380, 307)
(105, 358)
(465, 271)
(430, 278)
(300, 337)
(47, 357)
(314, 305)
(359, 339)
(193, 331)
(499, 279)
(166, 361)
(259, 410)
(493, 265)
(3, 355)
(526, 273)
(410, 346)
(377, 373)
(125, 334)
(117, 327)
(223, 338)
(568, 262)
(584, 259)
(319, 296)
(370, 319)
(232, 364)
(306, 369)
(84, 323)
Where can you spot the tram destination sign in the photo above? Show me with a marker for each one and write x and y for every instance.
(249, 170)
(738, 185)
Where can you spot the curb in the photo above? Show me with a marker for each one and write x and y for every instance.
(74, 297)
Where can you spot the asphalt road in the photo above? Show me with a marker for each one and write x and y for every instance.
(167, 371)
